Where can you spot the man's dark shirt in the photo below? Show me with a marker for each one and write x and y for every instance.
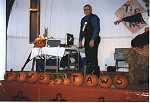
(92, 28)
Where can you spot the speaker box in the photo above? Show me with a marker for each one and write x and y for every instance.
(48, 65)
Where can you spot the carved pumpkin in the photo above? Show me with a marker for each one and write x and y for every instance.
(39, 42)
(51, 82)
(10, 76)
(77, 79)
(32, 77)
(22, 76)
(120, 81)
(91, 80)
(67, 81)
(44, 77)
(58, 81)
(105, 81)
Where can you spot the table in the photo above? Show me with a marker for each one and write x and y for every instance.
(51, 51)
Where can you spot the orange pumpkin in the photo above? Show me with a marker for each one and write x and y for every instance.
(77, 79)
(44, 77)
(91, 80)
(51, 82)
(105, 81)
(120, 81)
(58, 81)
(10, 76)
(39, 42)
(22, 76)
(32, 77)
(67, 81)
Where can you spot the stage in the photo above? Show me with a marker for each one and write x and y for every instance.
(16, 91)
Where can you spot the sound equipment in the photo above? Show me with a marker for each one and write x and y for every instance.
(111, 69)
(48, 65)
(120, 56)
(70, 59)
(70, 39)
(53, 43)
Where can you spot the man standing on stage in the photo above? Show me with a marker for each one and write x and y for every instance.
(89, 30)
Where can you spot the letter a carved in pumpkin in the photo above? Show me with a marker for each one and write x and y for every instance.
(91, 80)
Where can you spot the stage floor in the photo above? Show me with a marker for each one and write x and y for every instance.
(14, 91)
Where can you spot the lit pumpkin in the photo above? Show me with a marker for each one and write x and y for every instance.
(39, 42)
(10, 76)
(105, 81)
(44, 77)
(77, 79)
(58, 81)
(51, 82)
(91, 80)
(22, 76)
(120, 81)
(66, 81)
(32, 77)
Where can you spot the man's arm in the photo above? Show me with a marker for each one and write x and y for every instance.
(134, 18)
(95, 23)
(80, 35)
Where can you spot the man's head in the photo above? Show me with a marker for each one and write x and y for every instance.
(87, 9)
(141, 44)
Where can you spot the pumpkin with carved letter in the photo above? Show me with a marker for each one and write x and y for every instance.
(22, 77)
(67, 81)
(58, 81)
(44, 78)
(77, 79)
(120, 81)
(91, 80)
(32, 77)
(105, 81)
(51, 82)
(10, 75)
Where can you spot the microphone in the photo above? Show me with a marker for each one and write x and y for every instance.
(85, 23)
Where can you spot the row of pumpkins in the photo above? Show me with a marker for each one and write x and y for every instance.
(76, 79)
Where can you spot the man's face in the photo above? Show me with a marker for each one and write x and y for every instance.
(87, 10)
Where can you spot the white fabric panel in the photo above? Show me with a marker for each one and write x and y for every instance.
(51, 51)
(107, 49)
(2, 38)
(18, 52)
(18, 47)
(19, 19)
